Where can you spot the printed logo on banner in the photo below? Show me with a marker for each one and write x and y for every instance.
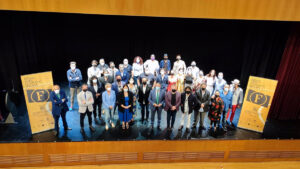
(258, 98)
(39, 95)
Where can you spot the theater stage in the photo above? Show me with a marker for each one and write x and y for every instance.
(20, 132)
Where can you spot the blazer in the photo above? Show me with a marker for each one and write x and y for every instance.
(192, 102)
(89, 101)
(57, 104)
(163, 81)
(168, 99)
(99, 90)
(203, 100)
(152, 99)
(121, 100)
(125, 76)
(114, 87)
(143, 96)
(108, 100)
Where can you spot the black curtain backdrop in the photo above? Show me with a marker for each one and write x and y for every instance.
(33, 42)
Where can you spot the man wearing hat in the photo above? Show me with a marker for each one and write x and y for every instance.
(165, 64)
(237, 99)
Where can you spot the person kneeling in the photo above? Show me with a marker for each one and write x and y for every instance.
(85, 102)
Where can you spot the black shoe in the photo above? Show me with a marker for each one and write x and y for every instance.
(81, 130)
(202, 128)
(180, 128)
(158, 128)
(68, 128)
(187, 130)
(232, 125)
(225, 129)
(92, 129)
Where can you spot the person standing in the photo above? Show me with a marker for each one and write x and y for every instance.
(172, 100)
(108, 105)
(127, 67)
(195, 70)
(74, 77)
(156, 101)
(106, 78)
(210, 81)
(188, 104)
(203, 98)
(93, 71)
(137, 69)
(180, 81)
(237, 99)
(125, 106)
(201, 79)
(102, 66)
(162, 78)
(220, 82)
(85, 101)
(215, 111)
(152, 65)
(149, 76)
(134, 90)
(226, 96)
(112, 70)
(189, 79)
(124, 74)
(172, 81)
(96, 89)
(144, 91)
(179, 64)
(165, 64)
(59, 107)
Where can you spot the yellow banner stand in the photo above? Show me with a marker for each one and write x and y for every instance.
(37, 88)
(257, 102)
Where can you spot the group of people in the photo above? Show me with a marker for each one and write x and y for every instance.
(154, 86)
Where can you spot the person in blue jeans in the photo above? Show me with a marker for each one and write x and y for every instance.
(125, 106)
(59, 107)
(74, 77)
(226, 96)
(108, 105)
(165, 64)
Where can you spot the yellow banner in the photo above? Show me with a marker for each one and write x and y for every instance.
(257, 102)
(37, 88)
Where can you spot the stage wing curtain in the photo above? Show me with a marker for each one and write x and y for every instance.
(286, 102)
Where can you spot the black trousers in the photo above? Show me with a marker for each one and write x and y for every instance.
(171, 115)
(145, 106)
(63, 117)
(97, 112)
(82, 116)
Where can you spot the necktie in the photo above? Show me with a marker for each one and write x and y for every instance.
(157, 96)
(85, 95)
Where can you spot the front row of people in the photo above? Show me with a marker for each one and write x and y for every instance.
(201, 102)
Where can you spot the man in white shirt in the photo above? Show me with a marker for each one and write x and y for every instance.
(102, 66)
(152, 65)
(195, 70)
(179, 64)
(93, 71)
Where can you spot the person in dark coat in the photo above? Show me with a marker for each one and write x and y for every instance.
(203, 99)
(59, 107)
(125, 106)
(188, 105)
(143, 94)
(96, 89)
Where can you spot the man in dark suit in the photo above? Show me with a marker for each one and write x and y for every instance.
(95, 87)
(59, 107)
(156, 102)
(144, 91)
(203, 98)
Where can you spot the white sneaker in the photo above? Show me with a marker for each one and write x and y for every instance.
(106, 127)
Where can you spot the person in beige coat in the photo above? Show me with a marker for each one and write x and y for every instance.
(85, 102)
